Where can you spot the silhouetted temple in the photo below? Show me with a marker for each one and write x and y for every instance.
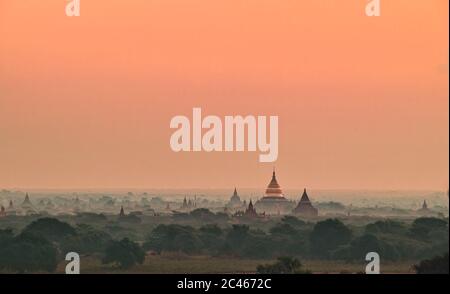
(27, 207)
(305, 207)
(424, 209)
(188, 204)
(235, 202)
(250, 211)
(26, 202)
(424, 205)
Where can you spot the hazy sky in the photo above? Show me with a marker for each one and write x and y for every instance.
(86, 102)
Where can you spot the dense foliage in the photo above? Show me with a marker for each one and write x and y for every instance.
(124, 253)
(26, 252)
(436, 265)
(284, 265)
(42, 243)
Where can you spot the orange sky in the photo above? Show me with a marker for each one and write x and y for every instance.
(86, 102)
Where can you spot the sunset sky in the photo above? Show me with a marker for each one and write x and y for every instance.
(86, 102)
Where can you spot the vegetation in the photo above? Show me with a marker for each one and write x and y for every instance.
(124, 253)
(284, 265)
(437, 265)
(328, 235)
(26, 252)
(86, 240)
(50, 229)
(30, 244)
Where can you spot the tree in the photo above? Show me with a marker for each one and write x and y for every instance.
(283, 229)
(124, 253)
(387, 226)
(284, 265)
(28, 252)
(50, 228)
(293, 221)
(237, 237)
(328, 235)
(6, 236)
(214, 230)
(91, 217)
(437, 265)
(211, 237)
(423, 227)
(359, 247)
(202, 214)
(258, 247)
(174, 238)
(86, 241)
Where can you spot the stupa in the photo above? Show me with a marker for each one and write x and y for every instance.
(273, 201)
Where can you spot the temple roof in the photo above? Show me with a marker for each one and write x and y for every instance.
(26, 202)
(235, 196)
(305, 207)
(424, 205)
(305, 197)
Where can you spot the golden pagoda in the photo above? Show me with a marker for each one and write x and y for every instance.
(273, 201)
(274, 191)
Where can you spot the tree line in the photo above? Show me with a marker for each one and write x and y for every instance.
(42, 244)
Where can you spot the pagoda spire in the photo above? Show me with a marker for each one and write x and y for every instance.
(274, 189)
(26, 201)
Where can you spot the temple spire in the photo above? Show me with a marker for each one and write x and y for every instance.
(274, 189)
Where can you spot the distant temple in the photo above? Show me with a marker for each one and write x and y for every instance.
(122, 212)
(27, 207)
(2, 211)
(250, 211)
(26, 202)
(274, 201)
(305, 207)
(10, 210)
(188, 204)
(424, 209)
(235, 202)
